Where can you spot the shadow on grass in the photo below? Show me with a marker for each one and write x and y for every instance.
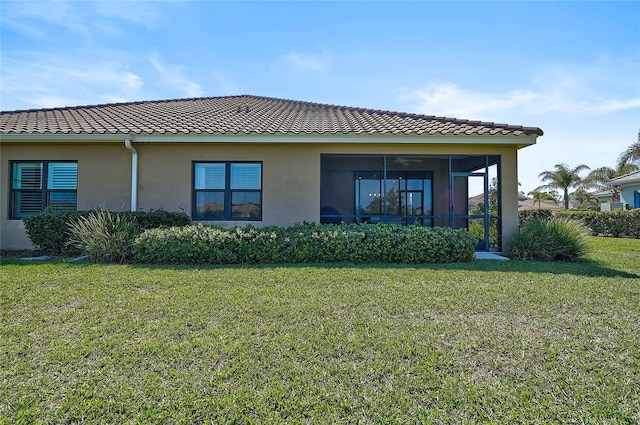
(586, 268)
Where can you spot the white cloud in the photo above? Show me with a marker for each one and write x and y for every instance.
(27, 17)
(447, 99)
(450, 100)
(308, 61)
(601, 88)
(44, 81)
(140, 13)
(85, 19)
(173, 75)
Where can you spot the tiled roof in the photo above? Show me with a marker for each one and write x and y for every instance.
(240, 115)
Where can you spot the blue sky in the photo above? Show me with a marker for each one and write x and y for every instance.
(570, 68)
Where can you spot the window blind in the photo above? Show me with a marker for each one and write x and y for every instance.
(27, 175)
(245, 176)
(62, 175)
(210, 176)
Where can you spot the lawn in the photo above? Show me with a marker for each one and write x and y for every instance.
(499, 342)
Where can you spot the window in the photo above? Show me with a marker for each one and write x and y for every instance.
(227, 191)
(403, 197)
(36, 185)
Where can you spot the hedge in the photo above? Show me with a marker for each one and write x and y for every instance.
(48, 230)
(304, 243)
(618, 223)
(608, 223)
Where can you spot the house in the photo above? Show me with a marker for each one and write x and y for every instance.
(238, 160)
(603, 196)
(629, 188)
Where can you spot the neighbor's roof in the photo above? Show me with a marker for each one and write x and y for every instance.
(602, 193)
(633, 177)
(240, 115)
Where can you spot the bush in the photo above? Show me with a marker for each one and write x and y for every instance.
(49, 230)
(104, 236)
(305, 243)
(157, 218)
(552, 239)
(525, 216)
(608, 223)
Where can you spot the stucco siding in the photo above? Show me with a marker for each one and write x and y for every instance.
(290, 183)
(627, 195)
(291, 175)
(104, 175)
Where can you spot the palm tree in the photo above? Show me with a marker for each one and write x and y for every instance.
(541, 196)
(586, 202)
(632, 154)
(599, 177)
(562, 178)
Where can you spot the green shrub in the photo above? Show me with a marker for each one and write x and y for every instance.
(104, 236)
(157, 218)
(552, 239)
(608, 223)
(49, 230)
(525, 216)
(304, 243)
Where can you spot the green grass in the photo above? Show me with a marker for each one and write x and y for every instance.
(513, 342)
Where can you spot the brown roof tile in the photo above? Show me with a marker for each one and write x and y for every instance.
(239, 115)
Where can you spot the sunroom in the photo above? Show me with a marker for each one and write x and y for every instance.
(421, 190)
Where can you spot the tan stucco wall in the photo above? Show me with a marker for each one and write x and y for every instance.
(291, 175)
(104, 178)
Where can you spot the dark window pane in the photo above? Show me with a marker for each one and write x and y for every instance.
(27, 175)
(245, 205)
(370, 197)
(209, 205)
(414, 203)
(27, 203)
(63, 200)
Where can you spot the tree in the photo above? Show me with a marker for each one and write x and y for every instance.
(563, 178)
(541, 196)
(585, 200)
(632, 154)
(598, 178)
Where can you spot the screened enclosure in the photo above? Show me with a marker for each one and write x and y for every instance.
(457, 191)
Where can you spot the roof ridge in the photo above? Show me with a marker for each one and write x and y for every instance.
(400, 114)
(389, 112)
(149, 116)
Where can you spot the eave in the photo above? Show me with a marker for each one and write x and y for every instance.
(518, 141)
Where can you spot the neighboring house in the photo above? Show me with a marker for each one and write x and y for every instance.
(241, 160)
(603, 196)
(629, 188)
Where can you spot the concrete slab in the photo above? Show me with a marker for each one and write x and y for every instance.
(490, 256)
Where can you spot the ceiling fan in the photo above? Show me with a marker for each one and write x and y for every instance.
(406, 160)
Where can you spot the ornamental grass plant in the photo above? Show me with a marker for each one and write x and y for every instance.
(549, 239)
(104, 236)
